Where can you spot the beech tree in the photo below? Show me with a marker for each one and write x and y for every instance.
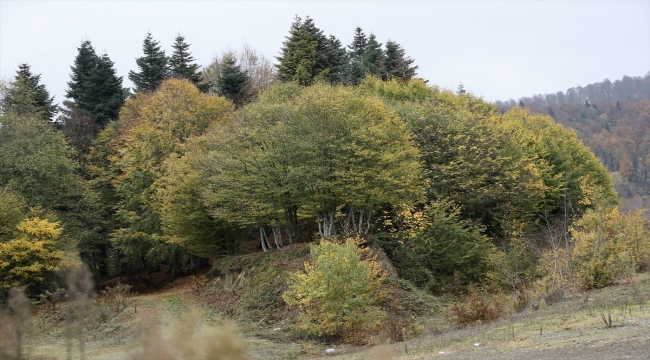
(38, 164)
(33, 256)
(324, 153)
(339, 292)
(151, 128)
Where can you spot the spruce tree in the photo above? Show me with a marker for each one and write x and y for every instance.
(307, 55)
(232, 81)
(373, 57)
(94, 86)
(298, 54)
(153, 67)
(110, 94)
(396, 63)
(359, 43)
(27, 96)
(336, 60)
(181, 63)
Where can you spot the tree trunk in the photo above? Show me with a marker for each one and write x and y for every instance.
(263, 239)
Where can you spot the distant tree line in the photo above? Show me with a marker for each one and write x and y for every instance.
(612, 120)
(626, 89)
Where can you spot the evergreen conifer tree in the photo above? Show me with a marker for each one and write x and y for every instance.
(396, 63)
(27, 96)
(181, 63)
(153, 66)
(359, 43)
(307, 55)
(373, 57)
(298, 54)
(232, 81)
(336, 60)
(94, 86)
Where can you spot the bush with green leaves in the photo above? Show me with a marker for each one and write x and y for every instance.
(435, 249)
(339, 292)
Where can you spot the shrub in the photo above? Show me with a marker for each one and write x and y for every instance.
(338, 294)
(116, 298)
(437, 250)
(32, 256)
(50, 299)
(607, 243)
(477, 308)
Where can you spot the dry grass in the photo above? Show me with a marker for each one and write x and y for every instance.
(572, 328)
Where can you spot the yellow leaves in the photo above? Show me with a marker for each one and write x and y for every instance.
(605, 242)
(31, 256)
(38, 228)
(339, 291)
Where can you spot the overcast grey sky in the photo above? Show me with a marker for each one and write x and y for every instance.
(497, 49)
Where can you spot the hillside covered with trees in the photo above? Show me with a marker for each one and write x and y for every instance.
(613, 120)
(342, 147)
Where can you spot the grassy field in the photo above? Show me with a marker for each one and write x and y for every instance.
(173, 323)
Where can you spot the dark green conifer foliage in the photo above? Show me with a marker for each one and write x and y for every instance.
(307, 55)
(396, 63)
(373, 57)
(359, 43)
(94, 85)
(356, 72)
(153, 67)
(181, 63)
(110, 94)
(231, 81)
(336, 60)
(298, 55)
(27, 96)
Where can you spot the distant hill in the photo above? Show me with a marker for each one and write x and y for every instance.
(626, 89)
(613, 120)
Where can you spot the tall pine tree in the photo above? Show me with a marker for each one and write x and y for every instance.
(307, 55)
(356, 69)
(181, 63)
(153, 66)
(94, 86)
(26, 96)
(396, 63)
(298, 55)
(359, 43)
(232, 81)
(373, 57)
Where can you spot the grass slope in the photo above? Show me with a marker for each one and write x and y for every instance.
(247, 290)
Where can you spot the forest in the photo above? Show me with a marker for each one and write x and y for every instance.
(342, 147)
(613, 120)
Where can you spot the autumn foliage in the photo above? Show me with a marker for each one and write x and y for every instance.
(338, 294)
(33, 256)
